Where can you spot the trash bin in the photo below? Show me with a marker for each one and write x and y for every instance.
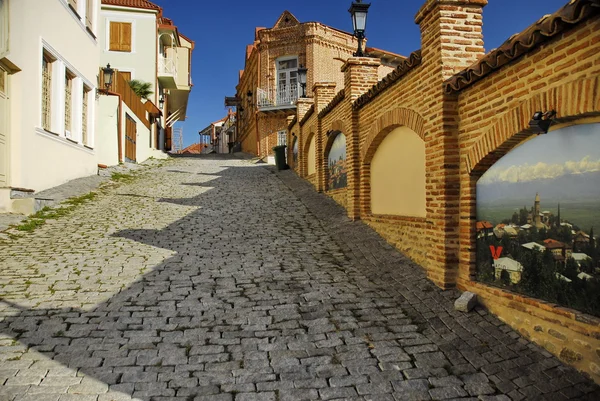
(280, 157)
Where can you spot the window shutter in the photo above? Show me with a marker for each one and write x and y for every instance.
(89, 13)
(115, 33)
(125, 37)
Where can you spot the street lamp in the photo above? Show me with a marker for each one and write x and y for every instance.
(108, 76)
(161, 101)
(302, 79)
(359, 11)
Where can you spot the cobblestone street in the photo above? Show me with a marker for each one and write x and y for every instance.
(213, 278)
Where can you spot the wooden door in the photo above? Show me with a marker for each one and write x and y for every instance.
(130, 139)
(3, 128)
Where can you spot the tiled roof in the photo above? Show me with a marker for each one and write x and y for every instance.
(405, 66)
(519, 44)
(133, 3)
(193, 149)
(483, 225)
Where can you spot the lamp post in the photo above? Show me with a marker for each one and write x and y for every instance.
(302, 79)
(108, 76)
(359, 11)
(161, 102)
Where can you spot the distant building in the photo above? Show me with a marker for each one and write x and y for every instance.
(484, 229)
(560, 251)
(514, 269)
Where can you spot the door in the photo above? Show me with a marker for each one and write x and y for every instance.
(3, 128)
(130, 136)
(287, 81)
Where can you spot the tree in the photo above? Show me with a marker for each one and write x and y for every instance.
(515, 218)
(141, 88)
(571, 269)
(558, 217)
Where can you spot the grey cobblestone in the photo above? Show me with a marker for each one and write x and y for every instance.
(215, 279)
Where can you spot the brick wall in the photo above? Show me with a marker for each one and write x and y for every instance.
(470, 109)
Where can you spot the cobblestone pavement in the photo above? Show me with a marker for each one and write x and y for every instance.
(215, 279)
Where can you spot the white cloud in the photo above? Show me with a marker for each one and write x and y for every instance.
(526, 172)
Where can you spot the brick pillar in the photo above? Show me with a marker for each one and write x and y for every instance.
(323, 93)
(360, 74)
(303, 104)
(451, 40)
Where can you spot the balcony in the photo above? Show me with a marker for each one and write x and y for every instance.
(282, 99)
(167, 71)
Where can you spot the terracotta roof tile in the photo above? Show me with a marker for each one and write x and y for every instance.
(193, 149)
(522, 43)
(133, 3)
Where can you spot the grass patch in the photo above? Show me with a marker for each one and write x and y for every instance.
(39, 218)
(120, 177)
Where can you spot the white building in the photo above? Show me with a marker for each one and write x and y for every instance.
(49, 63)
(514, 269)
(140, 43)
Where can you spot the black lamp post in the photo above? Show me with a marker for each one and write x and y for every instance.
(108, 76)
(359, 11)
(302, 79)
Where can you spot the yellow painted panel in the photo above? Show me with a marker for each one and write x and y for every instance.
(398, 175)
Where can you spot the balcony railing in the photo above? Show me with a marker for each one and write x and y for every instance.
(167, 66)
(277, 98)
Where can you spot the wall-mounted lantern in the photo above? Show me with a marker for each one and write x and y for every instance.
(302, 79)
(540, 122)
(108, 74)
(359, 11)
(161, 101)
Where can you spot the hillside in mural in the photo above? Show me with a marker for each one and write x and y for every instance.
(537, 208)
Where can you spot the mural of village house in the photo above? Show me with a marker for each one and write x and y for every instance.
(536, 209)
(295, 152)
(337, 163)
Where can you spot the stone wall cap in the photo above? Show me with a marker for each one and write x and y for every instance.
(430, 4)
(370, 61)
(324, 85)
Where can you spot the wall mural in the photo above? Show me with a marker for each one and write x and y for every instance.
(537, 209)
(336, 162)
(295, 152)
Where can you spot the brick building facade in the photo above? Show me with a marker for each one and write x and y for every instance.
(268, 86)
(456, 111)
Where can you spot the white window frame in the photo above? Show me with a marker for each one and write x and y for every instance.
(80, 18)
(110, 19)
(60, 66)
(282, 138)
(4, 28)
(287, 71)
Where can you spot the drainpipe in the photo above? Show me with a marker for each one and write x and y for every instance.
(256, 110)
(119, 145)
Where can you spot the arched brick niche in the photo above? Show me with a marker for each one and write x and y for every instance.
(573, 102)
(398, 119)
(567, 333)
(309, 154)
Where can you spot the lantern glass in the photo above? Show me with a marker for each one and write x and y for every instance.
(359, 12)
(108, 76)
(302, 75)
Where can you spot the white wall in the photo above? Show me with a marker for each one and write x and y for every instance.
(141, 61)
(107, 148)
(40, 160)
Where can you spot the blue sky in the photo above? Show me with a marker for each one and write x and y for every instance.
(222, 29)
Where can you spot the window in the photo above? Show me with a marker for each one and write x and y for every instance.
(84, 116)
(287, 80)
(2, 81)
(73, 5)
(281, 138)
(120, 36)
(46, 91)
(89, 14)
(3, 27)
(68, 101)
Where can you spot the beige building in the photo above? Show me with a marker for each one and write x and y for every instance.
(268, 86)
(48, 76)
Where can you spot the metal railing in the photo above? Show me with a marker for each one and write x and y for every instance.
(167, 66)
(277, 97)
